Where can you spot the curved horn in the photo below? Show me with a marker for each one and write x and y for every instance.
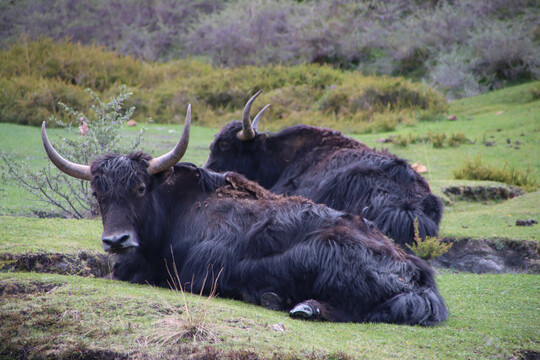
(247, 133)
(255, 123)
(72, 169)
(170, 159)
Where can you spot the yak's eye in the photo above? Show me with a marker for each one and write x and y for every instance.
(94, 194)
(224, 146)
(141, 190)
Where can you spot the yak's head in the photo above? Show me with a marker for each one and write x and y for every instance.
(123, 186)
(239, 147)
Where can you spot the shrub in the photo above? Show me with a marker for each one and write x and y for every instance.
(428, 248)
(86, 66)
(149, 30)
(369, 95)
(476, 169)
(400, 140)
(456, 139)
(29, 100)
(72, 197)
(437, 139)
(504, 52)
(452, 72)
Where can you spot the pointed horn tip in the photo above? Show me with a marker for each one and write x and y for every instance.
(188, 116)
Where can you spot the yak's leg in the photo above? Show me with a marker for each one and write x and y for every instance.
(272, 301)
(316, 310)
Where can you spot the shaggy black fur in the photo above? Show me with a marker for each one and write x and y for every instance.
(337, 264)
(329, 168)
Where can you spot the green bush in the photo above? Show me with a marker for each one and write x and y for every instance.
(72, 63)
(437, 139)
(476, 169)
(456, 139)
(35, 76)
(30, 100)
(428, 248)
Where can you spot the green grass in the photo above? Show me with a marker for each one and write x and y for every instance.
(494, 219)
(84, 313)
(26, 234)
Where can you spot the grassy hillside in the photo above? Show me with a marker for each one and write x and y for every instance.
(491, 316)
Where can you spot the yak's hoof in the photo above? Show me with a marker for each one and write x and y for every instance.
(272, 301)
(304, 311)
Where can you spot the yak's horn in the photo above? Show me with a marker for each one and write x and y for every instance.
(255, 123)
(248, 129)
(170, 159)
(72, 169)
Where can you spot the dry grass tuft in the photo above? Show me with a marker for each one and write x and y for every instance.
(190, 323)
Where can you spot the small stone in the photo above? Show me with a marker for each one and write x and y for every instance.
(528, 222)
(418, 167)
(278, 327)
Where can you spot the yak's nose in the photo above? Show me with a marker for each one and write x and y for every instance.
(119, 241)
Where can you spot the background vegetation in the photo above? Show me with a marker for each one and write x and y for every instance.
(461, 47)
(35, 76)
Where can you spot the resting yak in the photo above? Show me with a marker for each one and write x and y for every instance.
(331, 169)
(285, 253)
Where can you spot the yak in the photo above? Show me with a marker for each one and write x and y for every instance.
(330, 168)
(284, 253)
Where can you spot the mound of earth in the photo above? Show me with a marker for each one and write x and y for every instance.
(482, 193)
(490, 256)
(83, 264)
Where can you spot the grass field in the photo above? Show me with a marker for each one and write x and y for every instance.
(491, 316)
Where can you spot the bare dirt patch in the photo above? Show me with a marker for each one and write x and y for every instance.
(82, 264)
(482, 193)
(527, 355)
(490, 256)
(12, 288)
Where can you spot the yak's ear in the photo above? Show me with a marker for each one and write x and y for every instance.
(261, 138)
(164, 175)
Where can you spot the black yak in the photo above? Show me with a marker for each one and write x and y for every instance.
(331, 169)
(285, 253)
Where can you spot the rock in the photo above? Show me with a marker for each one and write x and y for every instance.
(385, 140)
(131, 123)
(278, 327)
(529, 222)
(418, 167)
(451, 117)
